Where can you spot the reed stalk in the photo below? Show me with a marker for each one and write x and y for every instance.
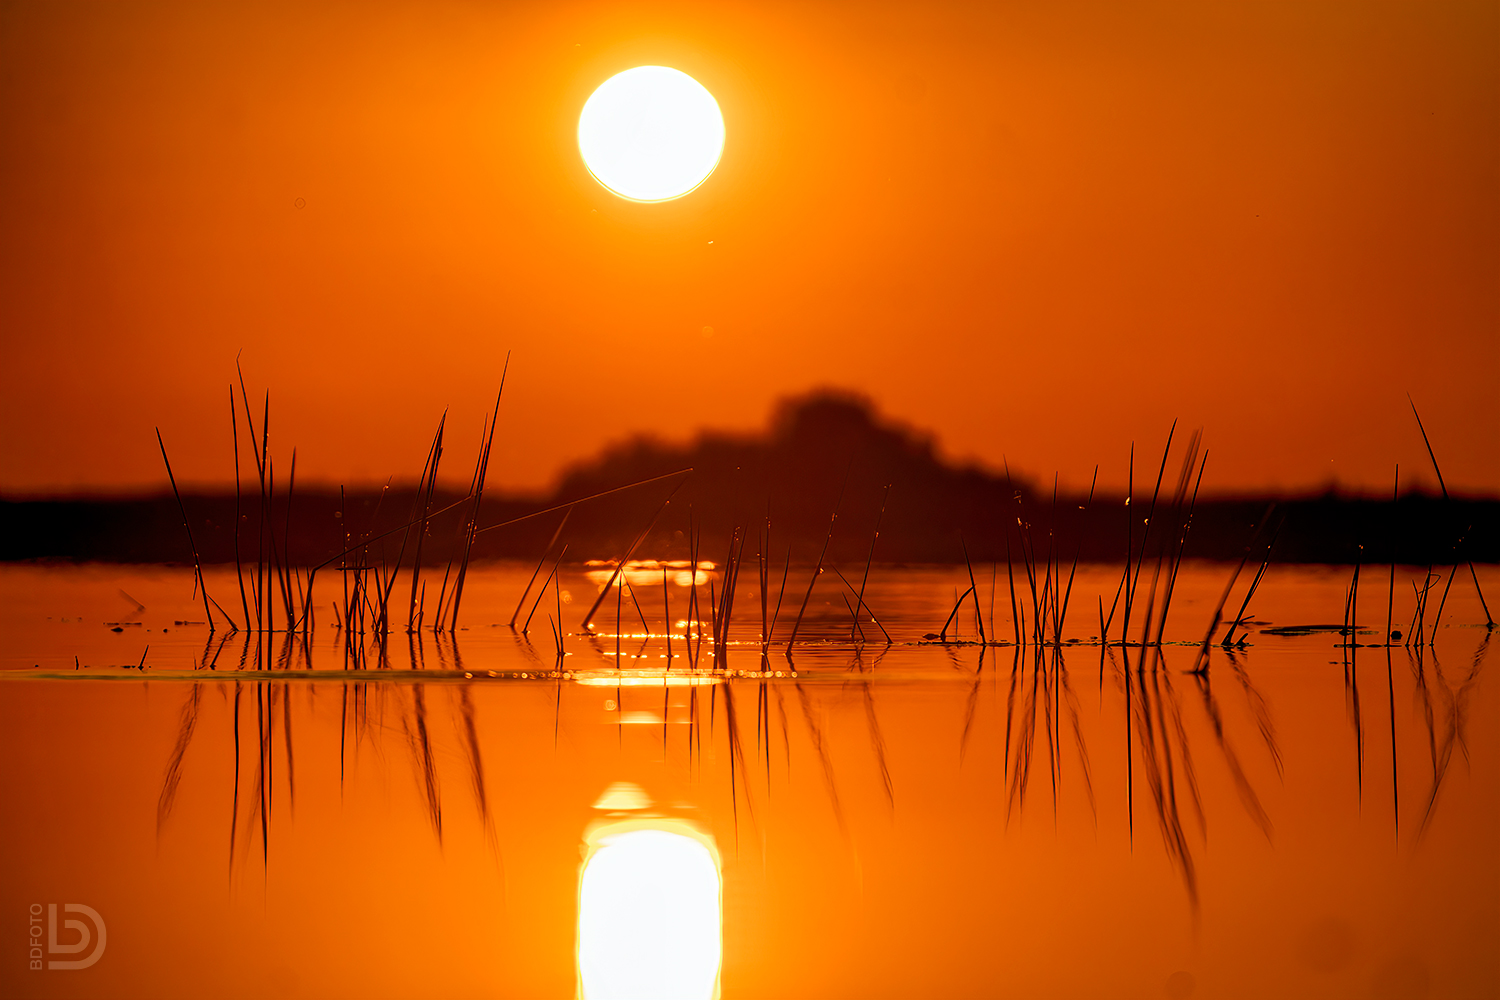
(198, 580)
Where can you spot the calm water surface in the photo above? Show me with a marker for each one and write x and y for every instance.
(250, 817)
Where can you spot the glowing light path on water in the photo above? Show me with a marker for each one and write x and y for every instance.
(649, 921)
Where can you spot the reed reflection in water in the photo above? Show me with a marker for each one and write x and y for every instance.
(1042, 724)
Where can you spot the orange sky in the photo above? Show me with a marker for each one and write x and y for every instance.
(1042, 230)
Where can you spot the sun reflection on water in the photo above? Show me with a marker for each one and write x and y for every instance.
(649, 914)
(641, 573)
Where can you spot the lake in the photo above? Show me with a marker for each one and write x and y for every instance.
(325, 813)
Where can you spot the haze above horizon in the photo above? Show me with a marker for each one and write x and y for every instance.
(1040, 232)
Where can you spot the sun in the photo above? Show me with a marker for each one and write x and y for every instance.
(651, 134)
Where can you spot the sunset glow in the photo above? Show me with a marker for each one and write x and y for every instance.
(750, 499)
(651, 134)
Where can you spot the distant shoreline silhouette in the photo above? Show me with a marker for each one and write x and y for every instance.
(824, 454)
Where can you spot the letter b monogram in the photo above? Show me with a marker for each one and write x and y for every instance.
(85, 937)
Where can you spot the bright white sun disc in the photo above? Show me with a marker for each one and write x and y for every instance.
(651, 133)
